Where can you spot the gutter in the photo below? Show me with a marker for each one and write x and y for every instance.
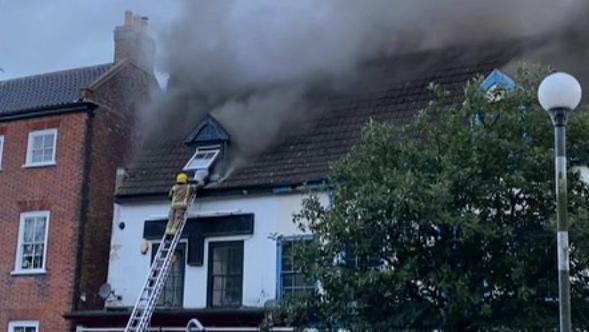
(315, 185)
(46, 111)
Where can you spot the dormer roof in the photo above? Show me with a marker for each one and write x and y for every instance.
(497, 79)
(208, 132)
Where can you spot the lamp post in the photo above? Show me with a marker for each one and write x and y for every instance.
(559, 94)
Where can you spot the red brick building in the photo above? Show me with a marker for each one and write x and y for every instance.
(62, 136)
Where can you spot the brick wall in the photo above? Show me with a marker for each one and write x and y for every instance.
(42, 297)
(78, 191)
(111, 147)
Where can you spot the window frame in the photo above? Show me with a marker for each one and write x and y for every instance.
(215, 149)
(1, 150)
(29, 157)
(12, 325)
(279, 268)
(211, 247)
(19, 249)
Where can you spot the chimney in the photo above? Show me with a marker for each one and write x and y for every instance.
(120, 177)
(132, 42)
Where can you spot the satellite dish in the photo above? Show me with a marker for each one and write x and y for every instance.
(105, 291)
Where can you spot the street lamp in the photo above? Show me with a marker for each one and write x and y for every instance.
(559, 94)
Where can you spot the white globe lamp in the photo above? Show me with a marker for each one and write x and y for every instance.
(559, 91)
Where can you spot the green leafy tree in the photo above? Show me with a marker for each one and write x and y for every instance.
(448, 222)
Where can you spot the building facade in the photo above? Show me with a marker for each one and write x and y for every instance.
(62, 135)
(235, 259)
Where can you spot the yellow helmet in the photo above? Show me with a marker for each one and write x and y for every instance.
(182, 178)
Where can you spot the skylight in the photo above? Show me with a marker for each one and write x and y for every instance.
(202, 159)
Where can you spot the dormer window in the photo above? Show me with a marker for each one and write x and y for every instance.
(496, 85)
(209, 141)
(202, 159)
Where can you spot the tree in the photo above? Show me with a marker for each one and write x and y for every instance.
(448, 222)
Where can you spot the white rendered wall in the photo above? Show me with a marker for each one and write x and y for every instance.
(272, 216)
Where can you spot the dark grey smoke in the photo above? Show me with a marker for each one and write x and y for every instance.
(250, 62)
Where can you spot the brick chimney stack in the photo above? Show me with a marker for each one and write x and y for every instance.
(133, 42)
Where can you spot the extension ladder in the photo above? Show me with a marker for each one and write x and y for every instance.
(156, 279)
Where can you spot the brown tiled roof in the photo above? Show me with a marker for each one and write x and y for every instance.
(396, 93)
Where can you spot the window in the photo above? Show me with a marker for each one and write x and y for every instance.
(225, 274)
(291, 280)
(202, 159)
(173, 291)
(41, 147)
(32, 242)
(23, 326)
(1, 149)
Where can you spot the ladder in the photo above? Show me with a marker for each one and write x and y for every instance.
(156, 279)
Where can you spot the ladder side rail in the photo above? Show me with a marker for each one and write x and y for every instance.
(143, 318)
(161, 279)
(140, 298)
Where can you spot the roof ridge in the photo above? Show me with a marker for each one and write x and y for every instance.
(61, 71)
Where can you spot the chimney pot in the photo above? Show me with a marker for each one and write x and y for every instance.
(121, 175)
(143, 23)
(137, 22)
(132, 41)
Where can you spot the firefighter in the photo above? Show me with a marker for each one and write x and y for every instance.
(180, 195)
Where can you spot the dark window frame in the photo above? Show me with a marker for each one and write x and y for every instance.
(216, 245)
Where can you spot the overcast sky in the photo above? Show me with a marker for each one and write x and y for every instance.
(38, 36)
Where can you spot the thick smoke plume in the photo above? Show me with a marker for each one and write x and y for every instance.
(251, 63)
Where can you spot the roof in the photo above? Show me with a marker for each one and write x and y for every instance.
(54, 89)
(396, 93)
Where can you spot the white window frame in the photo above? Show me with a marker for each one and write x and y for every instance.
(18, 261)
(1, 150)
(12, 325)
(210, 161)
(29, 162)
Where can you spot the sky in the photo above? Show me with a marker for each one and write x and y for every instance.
(39, 36)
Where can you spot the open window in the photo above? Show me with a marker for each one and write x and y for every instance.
(202, 159)
(210, 142)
